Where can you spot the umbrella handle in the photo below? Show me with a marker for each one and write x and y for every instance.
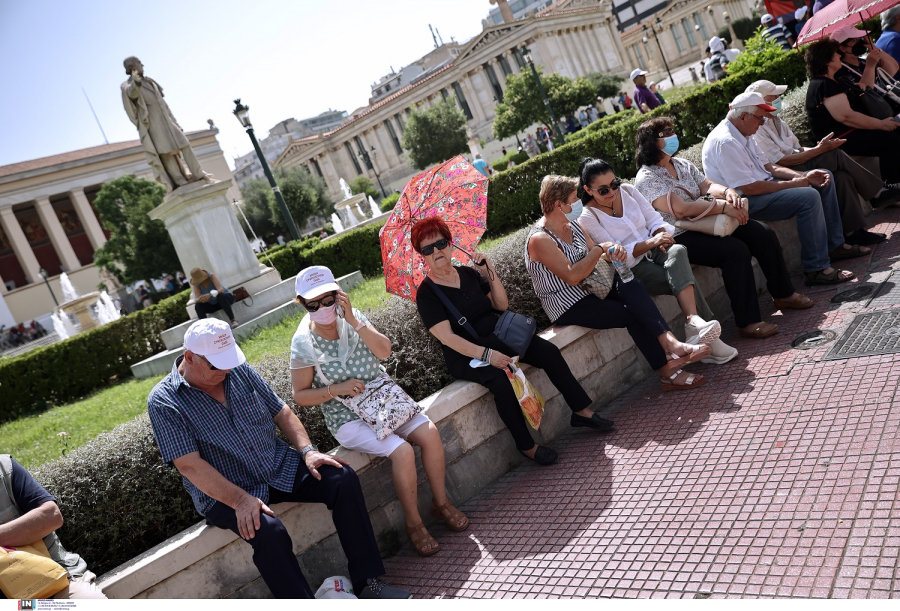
(457, 247)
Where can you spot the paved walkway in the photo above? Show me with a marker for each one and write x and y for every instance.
(779, 478)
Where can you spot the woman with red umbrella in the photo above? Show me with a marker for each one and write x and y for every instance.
(478, 296)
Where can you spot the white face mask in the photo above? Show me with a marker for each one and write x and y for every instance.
(577, 208)
(324, 316)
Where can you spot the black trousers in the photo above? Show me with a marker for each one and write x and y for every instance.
(273, 552)
(628, 305)
(732, 254)
(224, 302)
(876, 143)
(541, 354)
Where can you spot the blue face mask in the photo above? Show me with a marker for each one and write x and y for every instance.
(777, 105)
(671, 146)
(577, 208)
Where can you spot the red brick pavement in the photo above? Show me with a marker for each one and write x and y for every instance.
(779, 478)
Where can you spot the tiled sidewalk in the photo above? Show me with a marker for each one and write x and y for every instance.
(779, 478)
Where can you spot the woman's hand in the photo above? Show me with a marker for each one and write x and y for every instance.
(203, 298)
(480, 259)
(343, 301)
(499, 360)
(618, 254)
(733, 198)
(741, 214)
(889, 124)
(661, 240)
(350, 388)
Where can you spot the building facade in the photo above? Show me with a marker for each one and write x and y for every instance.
(572, 38)
(47, 221)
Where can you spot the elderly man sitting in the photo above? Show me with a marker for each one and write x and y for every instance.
(775, 193)
(214, 418)
(780, 146)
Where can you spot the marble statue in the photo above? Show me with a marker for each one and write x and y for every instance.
(345, 189)
(165, 145)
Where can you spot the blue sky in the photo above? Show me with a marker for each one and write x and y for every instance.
(284, 59)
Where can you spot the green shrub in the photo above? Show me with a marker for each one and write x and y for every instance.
(793, 112)
(761, 52)
(357, 249)
(387, 204)
(500, 164)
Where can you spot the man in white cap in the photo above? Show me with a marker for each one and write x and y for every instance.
(775, 193)
(851, 180)
(715, 67)
(777, 32)
(857, 71)
(644, 99)
(214, 419)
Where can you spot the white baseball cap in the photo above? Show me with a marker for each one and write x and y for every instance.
(847, 32)
(765, 88)
(212, 339)
(751, 99)
(314, 281)
(767, 18)
(716, 44)
(800, 13)
(636, 73)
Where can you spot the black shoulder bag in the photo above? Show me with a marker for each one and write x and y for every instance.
(514, 330)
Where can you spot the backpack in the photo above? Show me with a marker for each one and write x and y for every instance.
(717, 65)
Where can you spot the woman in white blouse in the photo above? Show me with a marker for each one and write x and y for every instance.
(615, 212)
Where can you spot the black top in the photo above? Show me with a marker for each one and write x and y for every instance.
(820, 120)
(472, 302)
(27, 493)
(848, 77)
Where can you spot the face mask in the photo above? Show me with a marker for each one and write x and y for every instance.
(777, 105)
(324, 316)
(858, 49)
(671, 146)
(577, 207)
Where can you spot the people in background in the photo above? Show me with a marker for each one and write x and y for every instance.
(777, 32)
(654, 87)
(480, 164)
(889, 41)
(210, 296)
(644, 99)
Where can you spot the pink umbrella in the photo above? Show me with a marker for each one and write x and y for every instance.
(838, 14)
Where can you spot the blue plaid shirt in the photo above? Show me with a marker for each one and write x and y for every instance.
(238, 441)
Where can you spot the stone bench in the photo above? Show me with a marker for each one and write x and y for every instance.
(207, 562)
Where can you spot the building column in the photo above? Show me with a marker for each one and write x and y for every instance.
(57, 234)
(511, 60)
(472, 99)
(570, 47)
(87, 217)
(20, 245)
(386, 146)
(590, 42)
(612, 34)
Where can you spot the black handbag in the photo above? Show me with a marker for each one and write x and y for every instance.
(875, 105)
(513, 329)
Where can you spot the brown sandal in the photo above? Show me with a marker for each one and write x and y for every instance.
(840, 253)
(420, 537)
(693, 380)
(801, 302)
(450, 515)
(762, 330)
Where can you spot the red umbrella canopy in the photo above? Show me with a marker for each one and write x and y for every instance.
(456, 192)
(838, 14)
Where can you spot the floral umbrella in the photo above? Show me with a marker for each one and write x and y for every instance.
(454, 191)
(838, 14)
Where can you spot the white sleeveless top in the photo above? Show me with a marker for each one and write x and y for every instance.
(556, 295)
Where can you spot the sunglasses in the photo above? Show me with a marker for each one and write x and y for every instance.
(604, 190)
(323, 302)
(441, 244)
(669, 131)
(211, 366)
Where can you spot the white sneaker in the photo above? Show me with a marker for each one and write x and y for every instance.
(698, 331)
(721, 353)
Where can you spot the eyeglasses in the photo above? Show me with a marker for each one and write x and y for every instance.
(759, 118)
(604, 190)
(440, 245)
(211, 366)
(667, 132)
(323, 302)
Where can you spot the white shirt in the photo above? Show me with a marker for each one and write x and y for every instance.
(776, 140)
(707, 72)
(731, 54)
(732, 160)
(639, 221)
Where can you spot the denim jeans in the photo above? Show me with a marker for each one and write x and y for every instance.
(818, 220)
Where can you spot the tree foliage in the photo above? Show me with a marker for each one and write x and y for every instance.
(759, 53)
(362, 184)
(435, 134)
(523, 106)
(138, 248)
(605, 85)
(305, 195)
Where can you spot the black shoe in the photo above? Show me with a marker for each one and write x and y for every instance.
(544, 455)
(376, 588)
(863, 237)
(890, 195)
(594, 422)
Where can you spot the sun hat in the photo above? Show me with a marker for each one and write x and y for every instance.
(847, 32)
(765, 88)
(212, 339)
(198, 275)
(636, 73)
(751, 99)
(314, 281)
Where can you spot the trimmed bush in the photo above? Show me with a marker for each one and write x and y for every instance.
(500, 164)
(387, 204)
(603, 123)
(793, 112)
(357, 249)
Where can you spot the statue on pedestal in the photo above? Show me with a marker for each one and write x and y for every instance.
(168, 151)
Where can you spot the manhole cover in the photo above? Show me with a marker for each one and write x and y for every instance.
(888, 293)
(857, 293)
(812, 339)
(869, 334)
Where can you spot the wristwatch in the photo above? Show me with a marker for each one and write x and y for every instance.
(307, 449)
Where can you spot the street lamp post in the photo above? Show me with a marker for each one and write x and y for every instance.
(367, 159)
(662, 55)
(242, 113)
(526, 53)
(43, 275)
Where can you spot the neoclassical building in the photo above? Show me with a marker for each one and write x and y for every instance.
(47, 221)
(572, 38)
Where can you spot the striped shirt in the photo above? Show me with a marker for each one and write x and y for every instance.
(555, 294)
(238, 440)
(779, 34)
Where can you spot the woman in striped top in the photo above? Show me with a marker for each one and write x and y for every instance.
(559, 256)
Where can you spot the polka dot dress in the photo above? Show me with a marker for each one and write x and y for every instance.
(361, 365)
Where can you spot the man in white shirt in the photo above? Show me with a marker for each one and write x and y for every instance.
(851, 180)
(775, 193)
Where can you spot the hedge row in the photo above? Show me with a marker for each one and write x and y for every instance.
(72, 368)
(357, 249)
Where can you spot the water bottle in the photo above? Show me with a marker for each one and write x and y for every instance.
(623, 270)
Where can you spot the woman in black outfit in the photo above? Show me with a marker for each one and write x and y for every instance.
(478, 300)
(830, 111)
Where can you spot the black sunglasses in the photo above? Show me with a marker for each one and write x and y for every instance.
(211, 366)
(440, 245)
(604, 190)
(667, 132)
(323, 302)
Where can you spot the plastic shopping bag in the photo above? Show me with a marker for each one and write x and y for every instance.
(335, 587)
(530, 400)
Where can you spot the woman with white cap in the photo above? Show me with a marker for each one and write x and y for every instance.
(334, 353)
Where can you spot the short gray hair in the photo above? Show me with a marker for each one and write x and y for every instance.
(889, 17)
(737, 111)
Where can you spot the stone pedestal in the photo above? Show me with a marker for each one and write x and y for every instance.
(207, 235)
(352, 209)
